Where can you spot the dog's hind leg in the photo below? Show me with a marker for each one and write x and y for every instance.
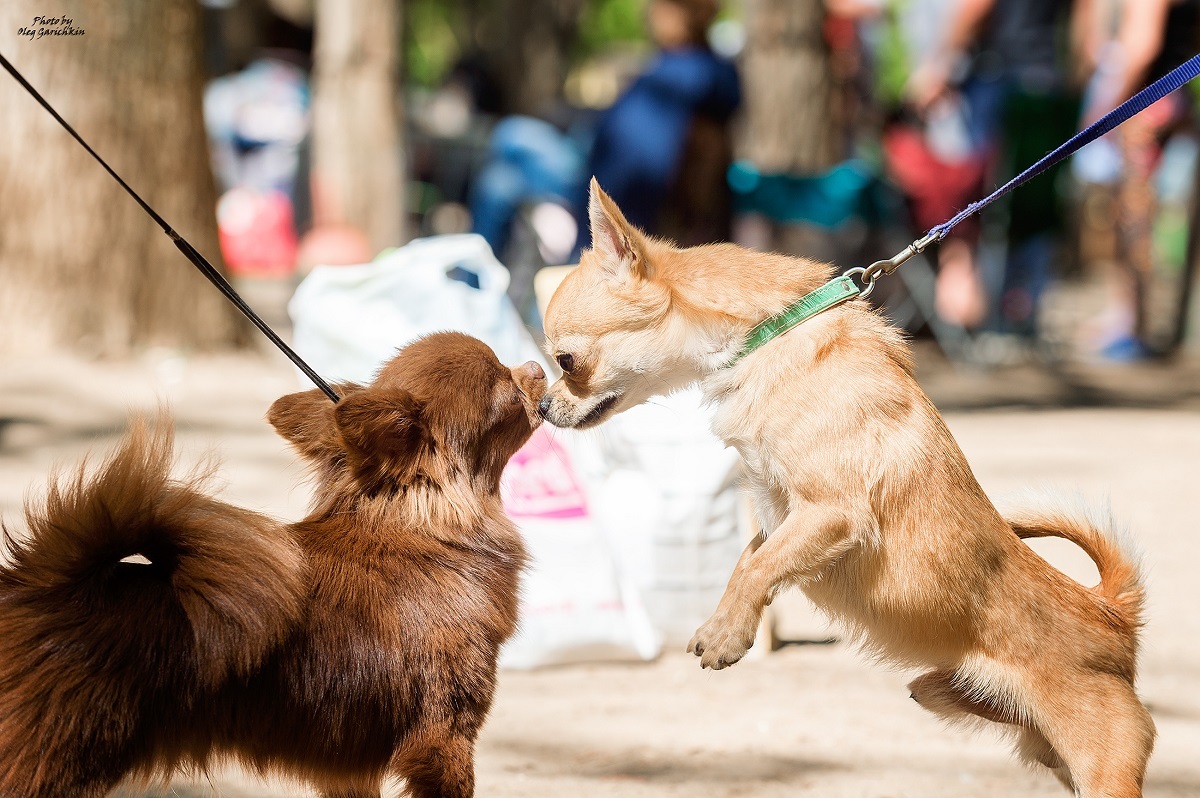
(1034, 748)
(439, 768)
(1102, 733)
(947, 694)
(808, 541)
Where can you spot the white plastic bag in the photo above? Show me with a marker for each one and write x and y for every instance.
(348, 320)
(577, 605)
(672, 508)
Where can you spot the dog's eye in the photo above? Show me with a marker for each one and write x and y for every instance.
(566, 363)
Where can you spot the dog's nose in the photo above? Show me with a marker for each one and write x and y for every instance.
(534, 370)
(544, 407)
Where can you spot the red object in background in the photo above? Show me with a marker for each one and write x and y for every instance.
(333, 245)
(840, 32)
(257, 233)
(935, 189)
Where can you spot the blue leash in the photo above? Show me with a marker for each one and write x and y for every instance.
(1139, 102)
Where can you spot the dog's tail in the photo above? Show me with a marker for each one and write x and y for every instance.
(1103, 541)
(132, 597)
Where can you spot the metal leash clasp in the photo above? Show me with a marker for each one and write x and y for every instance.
(882, 268)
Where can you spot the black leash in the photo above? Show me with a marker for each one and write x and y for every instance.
(189, 252)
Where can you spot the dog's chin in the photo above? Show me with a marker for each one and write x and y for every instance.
(534, 418)
(601, 411)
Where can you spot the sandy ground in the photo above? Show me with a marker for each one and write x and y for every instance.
(807, 720)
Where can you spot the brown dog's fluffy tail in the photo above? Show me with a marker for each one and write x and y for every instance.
(100, 650)
(1120, 576)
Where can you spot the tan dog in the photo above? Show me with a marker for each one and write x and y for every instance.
(865, 501)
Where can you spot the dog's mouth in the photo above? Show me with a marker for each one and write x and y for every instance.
(596, 414)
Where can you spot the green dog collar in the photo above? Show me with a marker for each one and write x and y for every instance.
(832, 294)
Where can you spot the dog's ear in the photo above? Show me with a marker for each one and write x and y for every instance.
(618, 244)
(305, 420)
(385, 435)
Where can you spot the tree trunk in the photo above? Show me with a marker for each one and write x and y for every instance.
(534, 51)
(358, 157)
(81, 265)
(527, 46)
(788, 88)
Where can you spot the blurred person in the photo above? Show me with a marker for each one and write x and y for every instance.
(258, 125)
(929, 152)
(1126, 44)
(663, 149)
(998, 87)
(520, 201)
(529, 160)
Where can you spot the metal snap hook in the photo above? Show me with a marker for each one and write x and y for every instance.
(865, 276)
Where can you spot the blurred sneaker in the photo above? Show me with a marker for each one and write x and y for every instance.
(1125, 349)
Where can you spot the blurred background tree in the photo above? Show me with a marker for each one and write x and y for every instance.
(529, 46)
(359, 174)
(83, 267)
(788, 87)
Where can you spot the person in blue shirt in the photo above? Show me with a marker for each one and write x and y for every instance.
(662, 150)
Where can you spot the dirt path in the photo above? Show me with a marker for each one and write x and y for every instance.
(814, 720)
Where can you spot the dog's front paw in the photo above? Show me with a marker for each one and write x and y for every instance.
(720, 643)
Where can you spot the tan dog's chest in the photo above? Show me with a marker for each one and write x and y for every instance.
(821, 437)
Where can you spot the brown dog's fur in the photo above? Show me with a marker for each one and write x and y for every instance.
(355, 645)
(865, 501)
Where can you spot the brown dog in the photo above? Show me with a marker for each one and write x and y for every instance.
(865, 501)
(357, 644)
